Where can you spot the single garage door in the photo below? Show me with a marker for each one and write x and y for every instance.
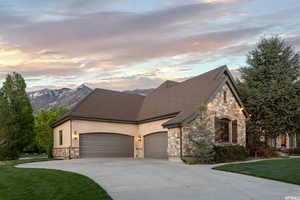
(105, 145)
(155, 145)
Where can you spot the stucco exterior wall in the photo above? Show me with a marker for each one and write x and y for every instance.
(152, 127)
(64, 149)
(65, 128)
(82, 127)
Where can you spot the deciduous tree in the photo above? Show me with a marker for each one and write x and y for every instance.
(43, 130)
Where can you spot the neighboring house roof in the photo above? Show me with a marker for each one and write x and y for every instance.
(170, 99)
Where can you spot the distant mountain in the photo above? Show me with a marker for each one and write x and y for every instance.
(66, 97)
(140, 91)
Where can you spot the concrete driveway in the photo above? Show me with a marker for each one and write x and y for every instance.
(129, 179)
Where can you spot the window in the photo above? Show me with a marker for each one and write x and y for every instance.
(234, 131)
(222, 130)
(60, 137)
(292, 140)
(225, 96)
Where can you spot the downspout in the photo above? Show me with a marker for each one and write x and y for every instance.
(180, 135)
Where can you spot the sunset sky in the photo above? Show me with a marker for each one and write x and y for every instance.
(129, 44)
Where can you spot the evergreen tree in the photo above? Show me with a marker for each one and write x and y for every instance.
(43, 130)
(201, 137)
(16, 130)
(269, 89)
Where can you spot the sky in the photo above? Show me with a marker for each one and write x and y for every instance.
(129, 44)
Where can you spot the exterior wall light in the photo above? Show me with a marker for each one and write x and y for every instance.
(75, 135)
(139, 138)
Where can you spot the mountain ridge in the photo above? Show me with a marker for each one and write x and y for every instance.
(66, 97)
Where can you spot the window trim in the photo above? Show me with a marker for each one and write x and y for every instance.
(225, 96)
(234, 131)
(232, 124)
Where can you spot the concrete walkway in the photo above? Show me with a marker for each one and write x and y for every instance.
(129, 179)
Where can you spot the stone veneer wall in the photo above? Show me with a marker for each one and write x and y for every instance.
(174, 143)
(218, 108)
(65, 152)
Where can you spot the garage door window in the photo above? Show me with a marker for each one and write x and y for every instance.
(60, 137)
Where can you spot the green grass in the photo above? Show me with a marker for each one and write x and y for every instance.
(295, 154)
(286, 170)
(45, 184)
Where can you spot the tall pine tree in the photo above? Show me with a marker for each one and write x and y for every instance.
(16, 117)
(201, 137)
(269, 88)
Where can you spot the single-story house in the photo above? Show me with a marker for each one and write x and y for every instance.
(117, 124)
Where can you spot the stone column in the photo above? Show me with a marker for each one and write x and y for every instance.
(287, 141)
(174, 144)
(138, 146)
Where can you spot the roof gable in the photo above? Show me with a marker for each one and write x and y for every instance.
(180, 97)
(224, 77)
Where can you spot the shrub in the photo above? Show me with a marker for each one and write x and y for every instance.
(7, 154)
(230, 153)
(259, 149)
(292, 151)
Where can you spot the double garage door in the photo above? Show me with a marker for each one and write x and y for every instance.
(105, 145)
(117, 145)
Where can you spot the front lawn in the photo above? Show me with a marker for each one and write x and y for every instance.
(286, 170)
(45, 184)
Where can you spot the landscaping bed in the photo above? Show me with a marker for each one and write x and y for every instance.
(46, 184)
(286, 170)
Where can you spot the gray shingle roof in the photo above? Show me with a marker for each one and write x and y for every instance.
(170, 98)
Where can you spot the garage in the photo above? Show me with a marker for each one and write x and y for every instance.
(155, 145)
(105, 145)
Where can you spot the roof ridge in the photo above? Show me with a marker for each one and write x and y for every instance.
(206, 73)
(121, 92)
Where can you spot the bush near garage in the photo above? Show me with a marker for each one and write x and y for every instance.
(230, 153)
(259, 149)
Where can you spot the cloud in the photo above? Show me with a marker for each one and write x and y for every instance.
(219, 1)
(79, 44)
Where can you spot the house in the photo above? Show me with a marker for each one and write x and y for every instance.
(283, 141)
(116, 124)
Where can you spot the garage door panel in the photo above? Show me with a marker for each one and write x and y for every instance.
(155, 145)
(105, 145)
